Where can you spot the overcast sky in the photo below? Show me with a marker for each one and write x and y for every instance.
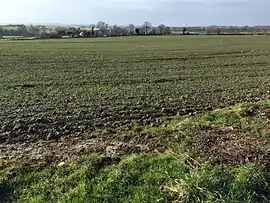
(124, 12)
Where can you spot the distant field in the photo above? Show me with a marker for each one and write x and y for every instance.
(17, 38)
(81, 85)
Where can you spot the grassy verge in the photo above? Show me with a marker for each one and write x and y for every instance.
(181, 174)
(136, 178)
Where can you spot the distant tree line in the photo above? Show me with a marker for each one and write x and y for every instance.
(103, 29)
(94, 30)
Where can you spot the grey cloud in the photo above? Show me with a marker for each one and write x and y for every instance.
(171, 12)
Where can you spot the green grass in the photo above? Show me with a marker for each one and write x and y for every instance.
(244, 118)
(215, 184)
(137, 178)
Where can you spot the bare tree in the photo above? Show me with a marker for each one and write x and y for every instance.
(22, 30)
(43, 30)
(125, 31)
(103, 27)
(132, 29)
(162, 29)
(115, 30)
(147, 27)
(34, 30)
(167, 30)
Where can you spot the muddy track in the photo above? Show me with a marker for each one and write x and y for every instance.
(63, 150)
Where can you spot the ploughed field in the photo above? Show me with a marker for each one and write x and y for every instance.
(135, 119)
(67, 88)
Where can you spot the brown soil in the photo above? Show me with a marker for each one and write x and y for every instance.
(61, 151)
(228, 148)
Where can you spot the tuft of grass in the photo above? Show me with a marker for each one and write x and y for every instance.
(219, 118)
(158, 130)
(244, 118)
(202, 184)
(138, 127)
(137, 178)
(208, 183)
(250, 184)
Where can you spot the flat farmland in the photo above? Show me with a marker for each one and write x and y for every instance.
(135, 119)
(55, 88)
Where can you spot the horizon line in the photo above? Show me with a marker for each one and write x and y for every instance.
(153, 25)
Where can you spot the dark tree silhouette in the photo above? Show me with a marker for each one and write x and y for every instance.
(184, 31)
(92, 31)
(137, 30)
